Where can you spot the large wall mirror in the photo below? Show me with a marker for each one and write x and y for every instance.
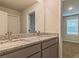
(20, 18)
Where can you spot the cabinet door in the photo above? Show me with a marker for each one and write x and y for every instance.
(51, 52)
(13, 24)
(37, 55)
(45, 44)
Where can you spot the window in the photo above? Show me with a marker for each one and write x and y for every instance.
(72, 25)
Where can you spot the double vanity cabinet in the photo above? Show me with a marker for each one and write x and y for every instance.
(43, 49)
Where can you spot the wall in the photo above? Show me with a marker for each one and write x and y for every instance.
(12, 13)
(70, 38)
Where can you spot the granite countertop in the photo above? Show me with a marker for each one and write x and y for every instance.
(15, 45)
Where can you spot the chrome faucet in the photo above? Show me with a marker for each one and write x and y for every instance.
(8, 34)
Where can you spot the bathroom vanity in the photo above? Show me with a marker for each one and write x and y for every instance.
(31, 47)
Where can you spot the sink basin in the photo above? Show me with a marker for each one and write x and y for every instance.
(14, 40)
(21, 39)
(30, 39)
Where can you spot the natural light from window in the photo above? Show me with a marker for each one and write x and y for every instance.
(72, 25)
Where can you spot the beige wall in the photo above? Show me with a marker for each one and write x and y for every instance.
(52, 16)
(70, 38)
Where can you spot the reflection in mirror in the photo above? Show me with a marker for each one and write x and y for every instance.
(70, 27)
(14, 21)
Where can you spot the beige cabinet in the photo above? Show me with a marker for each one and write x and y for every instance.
(3, 22)
(50, 48)
(50, 52)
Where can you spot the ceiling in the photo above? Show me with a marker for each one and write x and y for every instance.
(70, 3)
(17, 4)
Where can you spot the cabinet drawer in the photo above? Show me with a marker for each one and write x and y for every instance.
(50, 42)
(24, 52)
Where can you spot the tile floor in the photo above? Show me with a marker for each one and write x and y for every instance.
(70, 50)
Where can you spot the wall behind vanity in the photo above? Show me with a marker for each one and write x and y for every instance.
(52, 15)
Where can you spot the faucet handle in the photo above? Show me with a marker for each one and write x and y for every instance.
(38, 31)
(6, 33)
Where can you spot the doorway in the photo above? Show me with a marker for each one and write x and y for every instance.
(32, 22)
(13, 24)
(70, 28)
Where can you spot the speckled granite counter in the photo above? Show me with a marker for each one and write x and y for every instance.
(14, 46)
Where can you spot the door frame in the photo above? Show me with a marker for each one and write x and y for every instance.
(28, 20)
(18, 22)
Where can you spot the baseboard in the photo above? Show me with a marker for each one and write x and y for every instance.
(75, 42)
